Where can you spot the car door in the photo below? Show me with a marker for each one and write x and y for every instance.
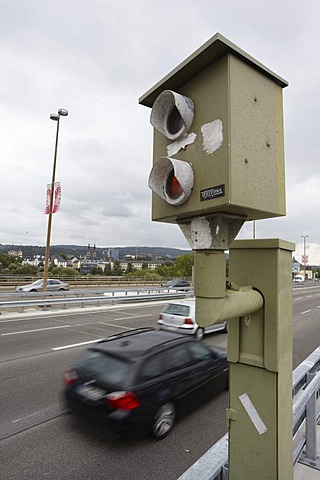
(54, 285)
(165, 376)
(210, 370)
(180, 375)
(151, 386)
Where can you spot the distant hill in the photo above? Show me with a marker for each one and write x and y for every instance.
(77, 250)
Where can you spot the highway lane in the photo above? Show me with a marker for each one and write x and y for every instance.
(306, 322)
(33, 356)
(37, 434)
(29, 335)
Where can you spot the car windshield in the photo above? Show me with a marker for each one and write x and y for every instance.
(176, 282)
(106, 367)
(177, 309)
(37, 282)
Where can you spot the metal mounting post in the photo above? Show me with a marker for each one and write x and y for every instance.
(260, 356)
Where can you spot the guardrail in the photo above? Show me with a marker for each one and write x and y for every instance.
(306, 410)
(22, 300)
(213, 465)
(306, 283)
(85, 280)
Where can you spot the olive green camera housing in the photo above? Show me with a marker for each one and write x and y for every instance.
(235, 143)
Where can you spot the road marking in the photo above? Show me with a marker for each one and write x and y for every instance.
(79, 325)
(23, 418)
(133, 316)
(35, 413)
(306, 311)
(117, 326)
(26, 317)
(253, 414)
(54, 317)
(35, 330)
(77, 344)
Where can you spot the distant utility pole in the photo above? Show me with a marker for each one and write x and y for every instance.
(56, 117)
(304, 257)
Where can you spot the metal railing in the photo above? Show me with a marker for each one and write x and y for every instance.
(213, 465)
(85, 280)
(306, 410)
(82, 298)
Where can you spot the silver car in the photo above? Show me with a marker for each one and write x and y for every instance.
(37, 286)
(179, 316)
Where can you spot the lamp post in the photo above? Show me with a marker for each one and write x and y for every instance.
(304, 255)
(56, 117)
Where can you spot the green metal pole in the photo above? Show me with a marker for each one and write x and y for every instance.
(260, 356)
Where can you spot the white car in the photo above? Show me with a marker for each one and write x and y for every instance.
(179, 316)
(298, 279)
(37, 286)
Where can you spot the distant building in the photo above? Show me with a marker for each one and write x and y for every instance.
(139, 264)
(154, 263)
(74, 262)
(58, 261)
(15, 253)
(88, 264)
(295, 266)
(113, 253)
(36, 260)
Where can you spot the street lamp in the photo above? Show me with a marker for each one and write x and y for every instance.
(304, 255)
(56, 117)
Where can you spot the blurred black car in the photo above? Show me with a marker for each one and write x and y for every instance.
(178, 284)
(140, 381)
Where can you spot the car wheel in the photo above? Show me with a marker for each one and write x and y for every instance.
(164, 420)
(33, 290)
(199, 333)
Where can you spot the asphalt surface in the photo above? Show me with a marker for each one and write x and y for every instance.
(39, 440)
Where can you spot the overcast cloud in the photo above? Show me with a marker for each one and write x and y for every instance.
(96, 59)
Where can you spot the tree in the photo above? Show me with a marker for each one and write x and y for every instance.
(145, 273)
(95, 270)
(107, 269)
(62, 271)
(117, 269)
(129, 268)
(166, 271)
(184, 265)
(24, 269)
(9, 264)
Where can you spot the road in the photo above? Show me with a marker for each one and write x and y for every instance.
(39, 440)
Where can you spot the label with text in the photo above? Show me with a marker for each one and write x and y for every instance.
(213, 192)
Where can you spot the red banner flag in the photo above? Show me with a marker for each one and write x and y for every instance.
(56, 198)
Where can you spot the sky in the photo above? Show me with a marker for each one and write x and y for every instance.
(96, 59)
